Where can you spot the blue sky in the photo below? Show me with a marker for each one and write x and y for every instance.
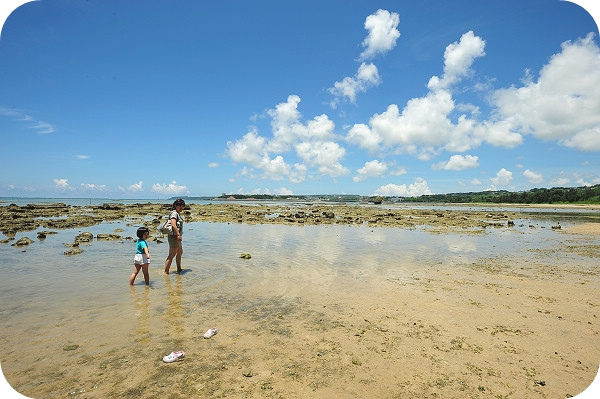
(153, 99)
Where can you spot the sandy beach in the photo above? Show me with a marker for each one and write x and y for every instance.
(345, 301)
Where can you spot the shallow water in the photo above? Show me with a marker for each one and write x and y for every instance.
(40, 286)
(50, 300)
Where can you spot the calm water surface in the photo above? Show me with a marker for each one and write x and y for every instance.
(39, 283)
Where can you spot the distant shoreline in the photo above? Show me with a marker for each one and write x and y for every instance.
(154, 201)
(511, 205)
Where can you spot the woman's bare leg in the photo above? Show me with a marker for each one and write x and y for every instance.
(172, 253)
(178, 259)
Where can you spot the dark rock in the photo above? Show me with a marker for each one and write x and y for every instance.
(23, 241)
(74, 251)
(328, 214)
(108, 237)
(84, 237)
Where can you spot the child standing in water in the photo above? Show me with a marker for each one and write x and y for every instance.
(142, 256)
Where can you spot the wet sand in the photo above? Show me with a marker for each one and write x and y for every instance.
(514, 324)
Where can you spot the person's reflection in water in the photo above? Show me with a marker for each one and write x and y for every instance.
(174, 313)
(140, 296)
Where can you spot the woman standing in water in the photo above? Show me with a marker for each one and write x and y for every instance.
(175, 247)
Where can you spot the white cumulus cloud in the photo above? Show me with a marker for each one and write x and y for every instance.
(320, 153)
(62, 184)
(274, 169)
(170, 189)
(383, 33)
(533, 177)
(424, 127)
(311, 142)
(503, 178)
(373, 168)
(249, 149)
(136, 187)
(458, 162)
(283, 191)
(458, 58)
(93, 187)
(560, 181)
(563, 105)
(366, 77)
(419, 187)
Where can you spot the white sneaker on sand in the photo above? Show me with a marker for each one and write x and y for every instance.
(174, 356)
(210, 332)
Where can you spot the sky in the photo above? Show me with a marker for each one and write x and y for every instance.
(155, 99)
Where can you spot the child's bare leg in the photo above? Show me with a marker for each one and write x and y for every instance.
(146, 274)
(134, 274)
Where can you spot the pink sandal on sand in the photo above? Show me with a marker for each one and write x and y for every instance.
(210, 332)
(174, 356)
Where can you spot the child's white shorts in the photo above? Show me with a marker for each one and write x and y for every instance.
(140, 259)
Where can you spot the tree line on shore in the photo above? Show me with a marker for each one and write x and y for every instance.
(555, 195)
